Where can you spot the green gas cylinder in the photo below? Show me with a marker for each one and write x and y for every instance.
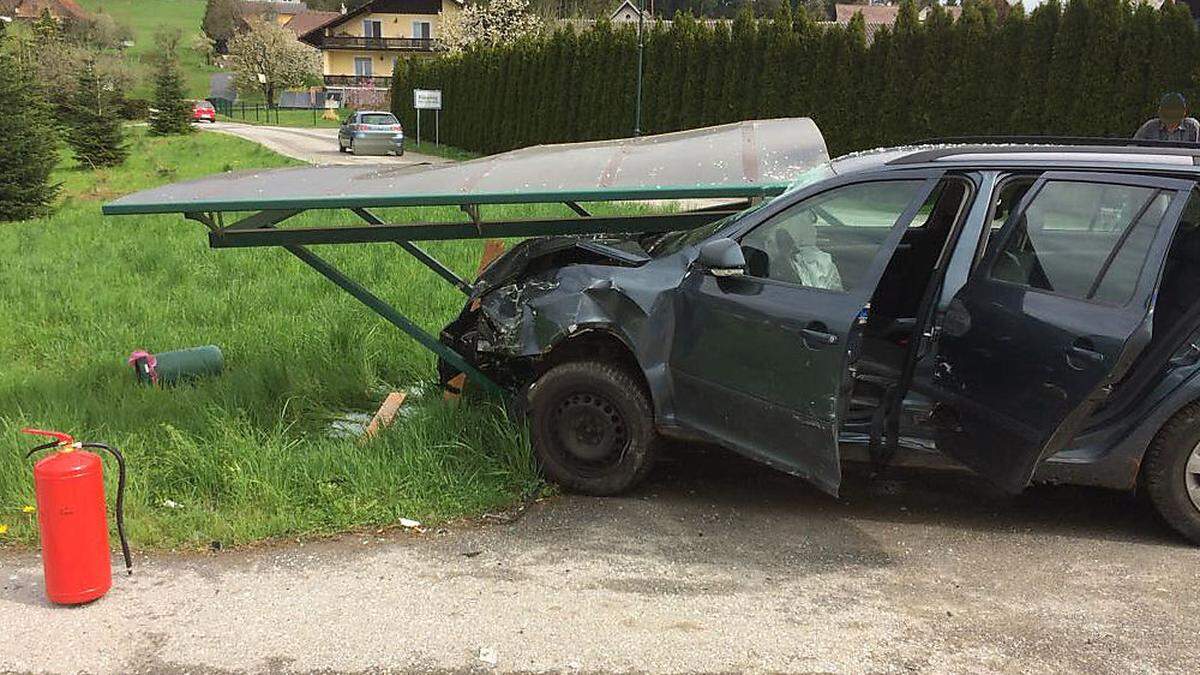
(176, 366)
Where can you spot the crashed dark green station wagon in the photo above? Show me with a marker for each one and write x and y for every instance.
(1028, 310)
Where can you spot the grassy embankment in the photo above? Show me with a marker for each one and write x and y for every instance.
(145, 18)
(246, 455)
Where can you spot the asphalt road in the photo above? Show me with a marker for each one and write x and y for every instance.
(318, 146)
(716, 565)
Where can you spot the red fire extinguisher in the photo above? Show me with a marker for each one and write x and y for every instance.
(72, 518)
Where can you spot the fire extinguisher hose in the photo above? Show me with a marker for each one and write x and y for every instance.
(120, 500)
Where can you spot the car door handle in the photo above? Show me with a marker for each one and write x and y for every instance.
(1084, 351)
(819, 337)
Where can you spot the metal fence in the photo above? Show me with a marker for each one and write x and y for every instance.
(262, 113)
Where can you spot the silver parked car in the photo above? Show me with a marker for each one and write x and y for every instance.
(371, 132)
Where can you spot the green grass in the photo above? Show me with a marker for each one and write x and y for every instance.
(145, 17)
(246, 455)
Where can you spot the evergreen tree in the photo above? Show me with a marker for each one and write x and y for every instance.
(695, 87)
(25, 166)
(743, 71)
(1028, 115)
(716, 99)
(1095, 103)
(1064, 84)
(1137, 98)
(932, 96)
(1006, 69)
(1175, 52)
(174, 112)
(898, 114)
(93, 125)
(47, 28)
(779, 42)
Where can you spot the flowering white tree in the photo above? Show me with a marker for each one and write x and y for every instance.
(499, 22)
(270, 59)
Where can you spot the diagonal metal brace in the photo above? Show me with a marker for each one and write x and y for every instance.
(420, 254)
(393, 316)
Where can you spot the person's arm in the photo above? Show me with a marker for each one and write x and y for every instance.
(1193, 130)
(1148, 131)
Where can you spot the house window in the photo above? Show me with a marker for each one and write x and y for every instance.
(362, 66)
(372, 29)
(422, 29)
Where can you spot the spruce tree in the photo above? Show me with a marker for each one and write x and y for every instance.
(174, 112)
(93, 125)
(25, 166)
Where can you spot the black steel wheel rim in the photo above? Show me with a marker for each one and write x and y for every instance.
(591, 433)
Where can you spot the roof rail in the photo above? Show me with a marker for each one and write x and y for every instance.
(1058, 140)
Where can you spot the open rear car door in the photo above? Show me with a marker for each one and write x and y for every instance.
(1052, 317)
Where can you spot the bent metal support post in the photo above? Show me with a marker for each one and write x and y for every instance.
(733, 163)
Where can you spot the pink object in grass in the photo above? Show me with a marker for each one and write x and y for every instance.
(151, 363)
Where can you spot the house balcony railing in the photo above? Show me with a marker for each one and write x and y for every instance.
(383, 43)
(358, 81)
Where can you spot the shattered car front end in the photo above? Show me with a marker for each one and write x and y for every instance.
(547, 291)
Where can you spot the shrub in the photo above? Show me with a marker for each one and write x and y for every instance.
(1088, 67)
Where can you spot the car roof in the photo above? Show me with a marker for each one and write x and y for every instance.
(373, 112)
(1030, 153)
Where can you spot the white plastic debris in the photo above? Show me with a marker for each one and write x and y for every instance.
(408, 522)
(489, 656)
(171, 504)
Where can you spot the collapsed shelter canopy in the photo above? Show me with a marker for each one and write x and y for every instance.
(744, 159)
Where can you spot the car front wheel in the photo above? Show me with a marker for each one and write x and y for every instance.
(1171, 472)
(592, 427)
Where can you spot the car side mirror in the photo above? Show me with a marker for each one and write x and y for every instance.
(722, 257)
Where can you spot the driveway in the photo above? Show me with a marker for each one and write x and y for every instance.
(716, 565)
(317, 146)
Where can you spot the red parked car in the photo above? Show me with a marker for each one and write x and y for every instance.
(204, 111)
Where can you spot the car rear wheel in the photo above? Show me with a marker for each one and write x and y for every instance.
(592, 427)
(1171, 472)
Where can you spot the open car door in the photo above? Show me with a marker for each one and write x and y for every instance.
(1051, 318)
(759, 360)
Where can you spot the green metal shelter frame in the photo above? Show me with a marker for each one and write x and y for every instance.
(580, 174)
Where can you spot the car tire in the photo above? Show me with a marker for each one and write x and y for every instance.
(350, 149)
(1172, 485)
(592, 428)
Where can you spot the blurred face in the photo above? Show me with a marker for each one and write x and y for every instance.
(1171, 116)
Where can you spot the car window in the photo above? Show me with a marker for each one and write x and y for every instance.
(379, 119)
(1007, 197)
(828, 241)
(1083, 240)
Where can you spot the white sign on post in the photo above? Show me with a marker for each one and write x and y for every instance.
(427, 99)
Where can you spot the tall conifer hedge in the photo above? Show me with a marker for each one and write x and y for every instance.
(1089, 67)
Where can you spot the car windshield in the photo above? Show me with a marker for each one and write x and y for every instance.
(379, 119)
(204, 105)
(674, 242)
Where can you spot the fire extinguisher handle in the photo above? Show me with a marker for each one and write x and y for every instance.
(59, 437)
(120, 500)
